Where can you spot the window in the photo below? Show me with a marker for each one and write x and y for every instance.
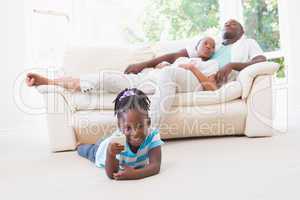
(261, 23)
(176, 19)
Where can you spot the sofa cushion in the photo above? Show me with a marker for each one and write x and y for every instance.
(210, 120)
(165, 47)
(104, 101)
(90, 59)
(247, 75)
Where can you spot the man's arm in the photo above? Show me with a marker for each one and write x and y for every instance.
(241, 66)
(223, 73)
(171, 57)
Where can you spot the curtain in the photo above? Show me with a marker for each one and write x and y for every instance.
(96, 22)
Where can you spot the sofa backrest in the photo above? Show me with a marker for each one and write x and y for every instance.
(164, 47)
(90, 59)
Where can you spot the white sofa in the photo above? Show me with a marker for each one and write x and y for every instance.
(241, 107)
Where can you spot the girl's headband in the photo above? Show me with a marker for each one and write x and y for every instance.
(127, 93)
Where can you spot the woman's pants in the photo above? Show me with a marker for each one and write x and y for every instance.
(164, 83)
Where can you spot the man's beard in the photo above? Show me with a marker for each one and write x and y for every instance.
(228, 35)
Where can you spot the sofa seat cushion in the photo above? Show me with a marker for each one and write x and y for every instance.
(209, 120)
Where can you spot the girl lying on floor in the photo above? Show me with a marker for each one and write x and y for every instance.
(140, 156)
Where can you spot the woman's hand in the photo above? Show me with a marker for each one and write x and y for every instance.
(127, 174)
(134, 69)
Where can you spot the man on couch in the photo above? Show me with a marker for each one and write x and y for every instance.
(234, 54)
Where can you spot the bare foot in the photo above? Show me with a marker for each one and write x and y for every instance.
(36, 80)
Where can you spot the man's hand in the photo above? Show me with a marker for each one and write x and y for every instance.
(127, 174)
(114, 149)
(223, 73)
(134, 69)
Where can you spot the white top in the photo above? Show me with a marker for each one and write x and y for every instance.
(242, 50)
(185, 79)
(206, 67)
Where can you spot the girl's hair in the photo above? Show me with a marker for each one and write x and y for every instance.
(132, 98)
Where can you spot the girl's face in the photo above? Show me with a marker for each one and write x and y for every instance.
(206, 48)
(134, 125)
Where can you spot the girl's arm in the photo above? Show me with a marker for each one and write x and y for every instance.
(208, 82)
(111, 163)
(151, 169)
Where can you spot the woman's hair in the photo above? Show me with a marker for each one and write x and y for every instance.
(197, 45)
(199, 42)
(131, 99)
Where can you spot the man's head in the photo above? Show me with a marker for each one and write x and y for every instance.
(232, 30)
(205, 48)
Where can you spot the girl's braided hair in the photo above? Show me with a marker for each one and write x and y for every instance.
(131, 98)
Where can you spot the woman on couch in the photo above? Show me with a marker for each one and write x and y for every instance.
(184, 75)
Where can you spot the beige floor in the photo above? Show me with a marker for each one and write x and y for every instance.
(208, 168)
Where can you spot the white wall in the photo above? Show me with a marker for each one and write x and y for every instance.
(12, 59)
(102, 22)
(13, 49)
(290, 32)
(48, 32)
(28, 40)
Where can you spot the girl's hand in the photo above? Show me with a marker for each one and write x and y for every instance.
(187, 66)
(126, 174)
(115, 148)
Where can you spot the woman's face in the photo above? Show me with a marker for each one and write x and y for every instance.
(206, 48)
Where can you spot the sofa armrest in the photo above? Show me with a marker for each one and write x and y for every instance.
(58, 90)
(259, 121)
(247, 75)
(43, 89)
(59, 119)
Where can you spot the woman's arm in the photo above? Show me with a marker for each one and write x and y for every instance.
(207, 82)
(151, 169)
(170, 58)
(162, 65)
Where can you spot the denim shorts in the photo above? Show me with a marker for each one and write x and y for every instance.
(89, 150)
